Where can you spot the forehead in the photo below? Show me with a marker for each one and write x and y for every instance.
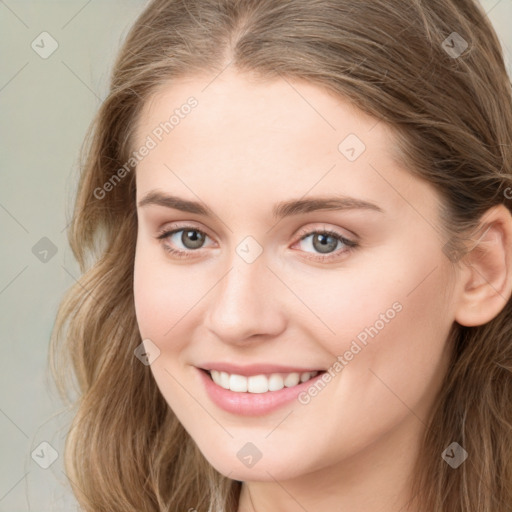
(242, 108)
(258, 141)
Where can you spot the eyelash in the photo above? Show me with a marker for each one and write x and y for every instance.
(350, 245)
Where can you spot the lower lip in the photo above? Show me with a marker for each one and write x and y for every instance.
(252, 404)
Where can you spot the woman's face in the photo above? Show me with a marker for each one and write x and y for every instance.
(259, 172)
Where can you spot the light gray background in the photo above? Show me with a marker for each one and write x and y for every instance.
(47, 105)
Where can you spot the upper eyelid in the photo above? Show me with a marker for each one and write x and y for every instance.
(165, 232)
(302, 233)
(177, 226)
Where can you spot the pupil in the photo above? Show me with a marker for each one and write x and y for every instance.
(324, 246)
(194, 240)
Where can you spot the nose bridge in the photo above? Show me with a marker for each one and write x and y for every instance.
(243, 304)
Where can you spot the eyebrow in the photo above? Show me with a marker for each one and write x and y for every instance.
(279, 211)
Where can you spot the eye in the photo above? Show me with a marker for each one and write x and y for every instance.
(328, 244)
(191, 239)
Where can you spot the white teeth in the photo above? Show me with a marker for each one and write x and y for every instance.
(238, 383)
(259, 383)
(292, 379)
(305, 376)
(276, 382)
(224, 380)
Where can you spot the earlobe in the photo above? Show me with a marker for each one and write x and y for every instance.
(486, 284)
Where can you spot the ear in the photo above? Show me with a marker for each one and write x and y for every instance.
(486, 278)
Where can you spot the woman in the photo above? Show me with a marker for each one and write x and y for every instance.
(298, 214)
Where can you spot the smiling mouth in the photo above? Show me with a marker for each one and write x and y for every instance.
(262, 383)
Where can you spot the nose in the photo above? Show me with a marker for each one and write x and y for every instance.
(246, 304)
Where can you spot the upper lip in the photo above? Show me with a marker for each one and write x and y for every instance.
(255, 369)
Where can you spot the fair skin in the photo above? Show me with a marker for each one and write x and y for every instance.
(247, 146)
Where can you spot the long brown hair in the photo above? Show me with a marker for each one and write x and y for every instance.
(434, 72)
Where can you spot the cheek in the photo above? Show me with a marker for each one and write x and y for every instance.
(342, 304)
(388, 326)
(391, 352)
(400, 342)
(164, 294)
